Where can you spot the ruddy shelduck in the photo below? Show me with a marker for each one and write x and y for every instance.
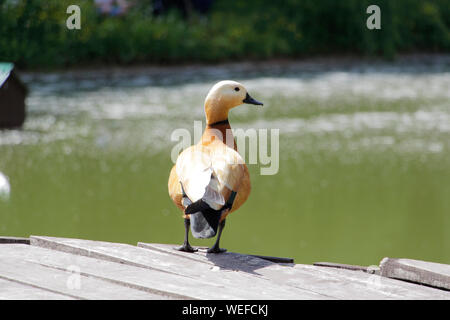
(210, 179)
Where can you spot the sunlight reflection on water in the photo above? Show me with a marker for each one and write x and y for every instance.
(5, 187)
(62, 107)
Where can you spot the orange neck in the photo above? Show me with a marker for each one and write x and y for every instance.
(218, 131)
(215, 111)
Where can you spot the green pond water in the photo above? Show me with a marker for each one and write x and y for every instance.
(364, 159)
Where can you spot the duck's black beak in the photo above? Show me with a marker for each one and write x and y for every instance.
(250, 100)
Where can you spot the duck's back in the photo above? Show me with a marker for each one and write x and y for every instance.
(210, 172)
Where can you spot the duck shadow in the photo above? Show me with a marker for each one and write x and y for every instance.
(238, 262)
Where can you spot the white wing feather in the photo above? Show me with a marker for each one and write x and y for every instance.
(205, 171)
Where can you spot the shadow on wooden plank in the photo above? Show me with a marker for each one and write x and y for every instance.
(11, 240)
(274, 259)
(227, 261)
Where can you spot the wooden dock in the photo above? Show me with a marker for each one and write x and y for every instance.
(60, 268)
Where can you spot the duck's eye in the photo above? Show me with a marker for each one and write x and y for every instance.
(236, 89)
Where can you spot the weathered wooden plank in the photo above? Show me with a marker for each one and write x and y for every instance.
(246, 273)
(423, 272)
(207, 278)
(12, 290)
(127, 254)
(117, 252)
(149, 282)
(5, 239)
(392, 288)
(64, 282)
(370, 269)
(340, 284)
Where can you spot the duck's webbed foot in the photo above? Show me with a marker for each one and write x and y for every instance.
(216, 249)
(186, 247)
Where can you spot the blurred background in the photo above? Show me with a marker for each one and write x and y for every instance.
(364, 119)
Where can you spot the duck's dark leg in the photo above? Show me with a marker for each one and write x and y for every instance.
(186, 246)
(215, 248)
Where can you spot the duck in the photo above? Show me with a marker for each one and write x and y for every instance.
(210, 179)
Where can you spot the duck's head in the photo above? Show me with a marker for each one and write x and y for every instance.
(224, 96)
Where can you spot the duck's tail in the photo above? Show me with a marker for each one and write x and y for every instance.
(204, 219)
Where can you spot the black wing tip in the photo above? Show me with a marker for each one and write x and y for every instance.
(196, 206)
